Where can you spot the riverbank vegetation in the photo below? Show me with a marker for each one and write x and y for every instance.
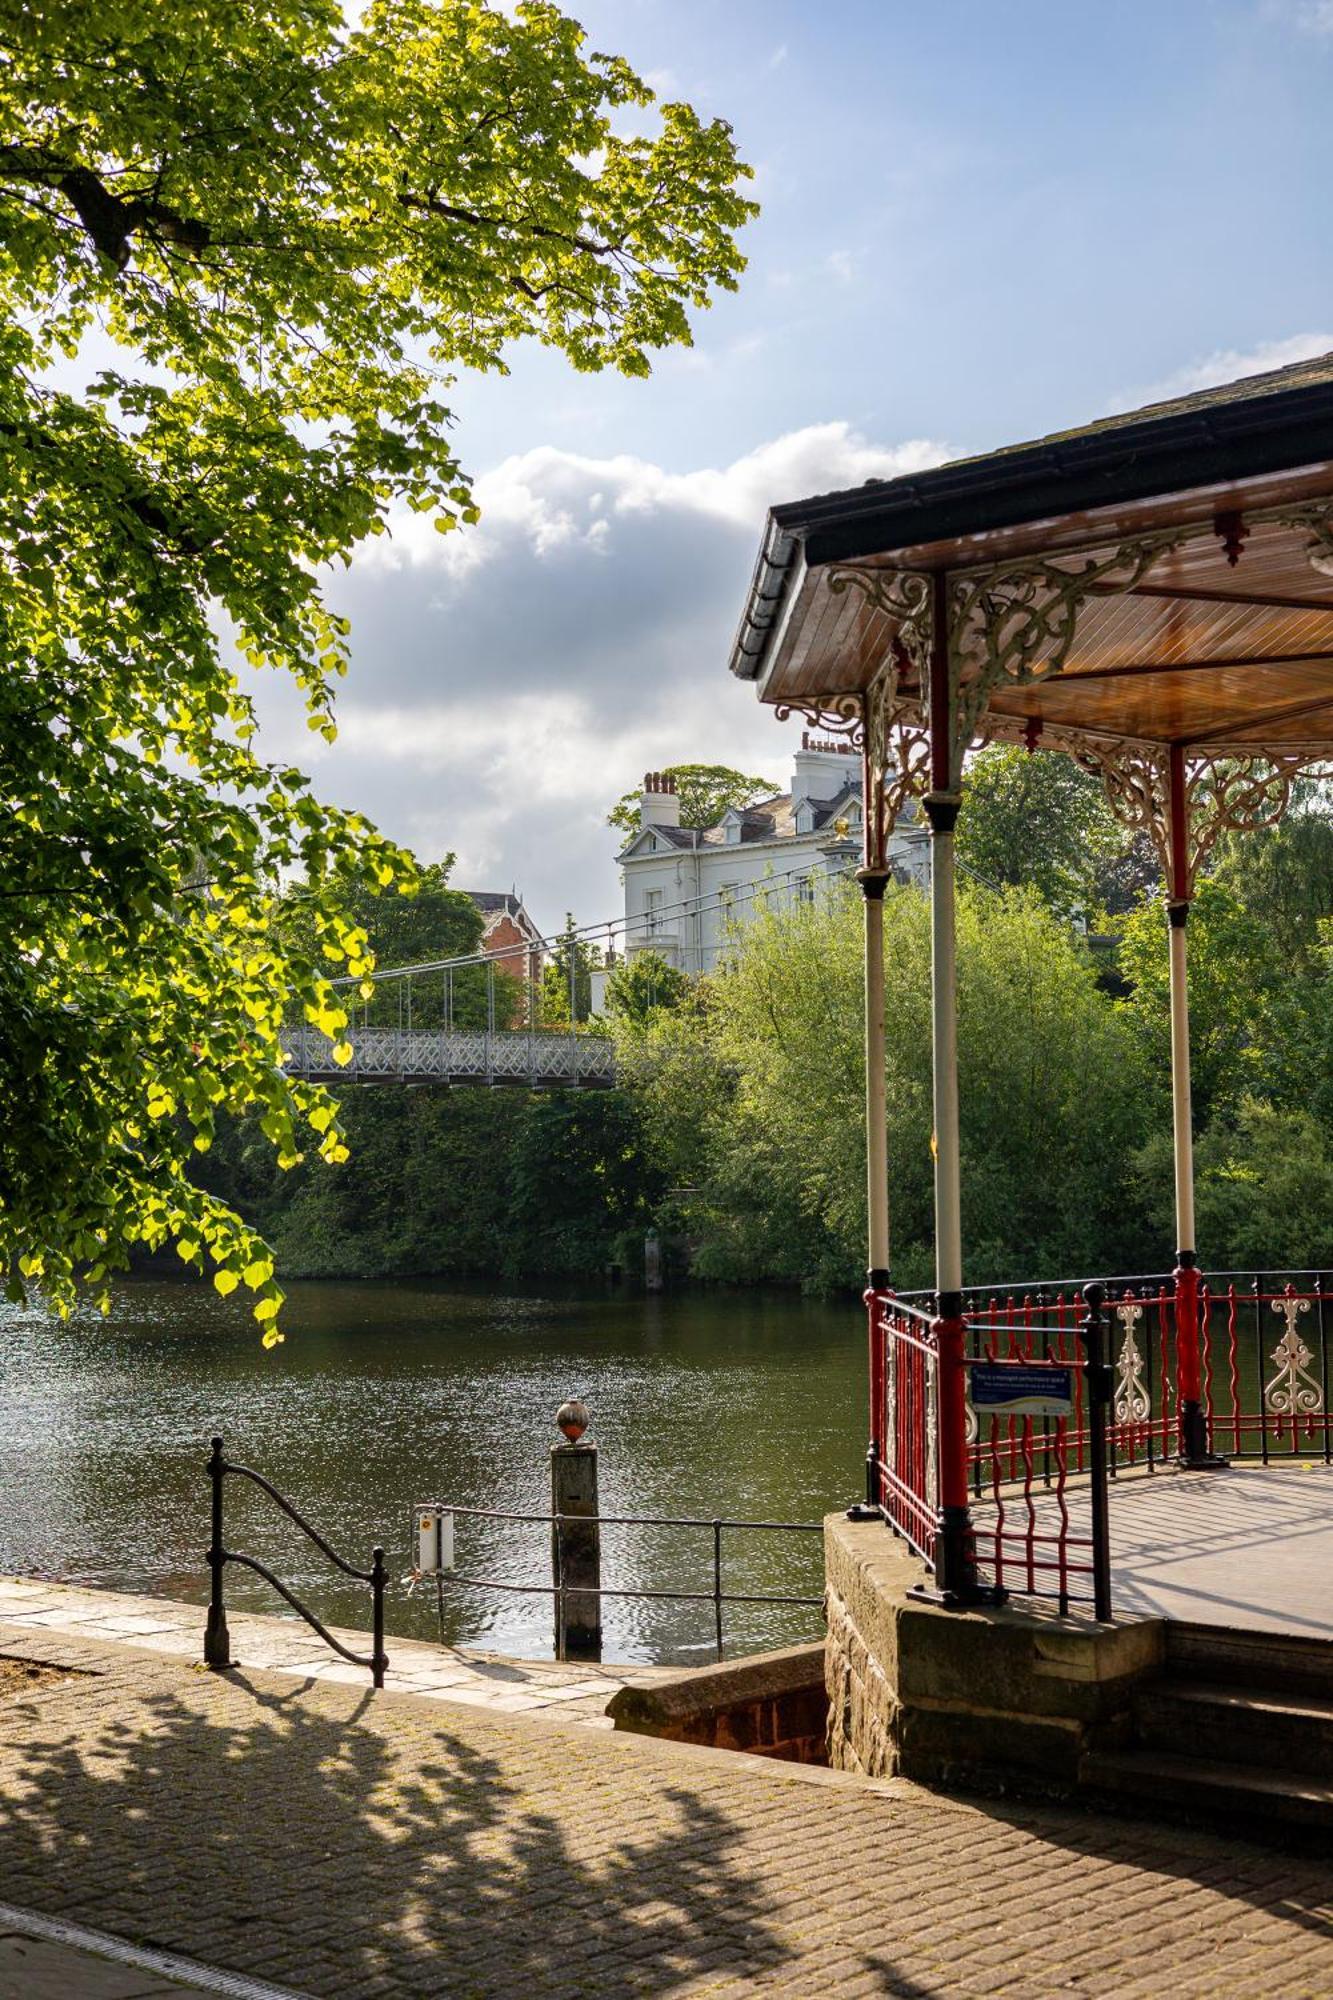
(737, 1126)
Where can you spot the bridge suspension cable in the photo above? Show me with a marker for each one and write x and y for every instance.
(649, 921)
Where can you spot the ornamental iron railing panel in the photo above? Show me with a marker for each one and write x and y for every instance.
(532, 1057)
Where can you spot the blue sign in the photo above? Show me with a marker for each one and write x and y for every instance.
(1022, 1389)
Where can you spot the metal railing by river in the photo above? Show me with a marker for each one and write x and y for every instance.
(576, 1588)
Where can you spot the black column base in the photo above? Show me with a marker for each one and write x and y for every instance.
(957, 1586)
(217, 1639)
(1196, 1454)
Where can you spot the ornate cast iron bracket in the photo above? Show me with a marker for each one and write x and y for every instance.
(1222, 794)
(885, 722)
(1317, 519)
(1014, 623)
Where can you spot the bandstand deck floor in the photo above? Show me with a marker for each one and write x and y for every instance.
(1248, 1548)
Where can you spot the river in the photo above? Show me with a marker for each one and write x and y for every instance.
(734, 1404)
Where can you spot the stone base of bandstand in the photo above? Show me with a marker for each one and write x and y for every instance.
(988, 1699)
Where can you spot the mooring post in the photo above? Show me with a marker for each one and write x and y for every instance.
(576, 1551)
(217, 1640)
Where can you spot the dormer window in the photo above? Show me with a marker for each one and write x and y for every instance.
(805, 817)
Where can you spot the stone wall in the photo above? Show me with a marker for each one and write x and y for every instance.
(771, 1705)
(995, 1698)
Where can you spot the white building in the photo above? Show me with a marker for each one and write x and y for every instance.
(687, 887)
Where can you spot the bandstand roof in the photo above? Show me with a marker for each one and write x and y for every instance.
(1223, 641)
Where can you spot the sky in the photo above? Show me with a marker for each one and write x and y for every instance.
(982, 220)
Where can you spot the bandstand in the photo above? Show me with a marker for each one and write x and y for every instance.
(1152, 596)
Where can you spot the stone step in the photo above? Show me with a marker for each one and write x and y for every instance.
(1274, 1661)
(1279, 1731)
(1187, 1788)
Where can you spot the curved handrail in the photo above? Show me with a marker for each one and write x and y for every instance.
(217, 1641)
(361, 1575)
(253, 1562)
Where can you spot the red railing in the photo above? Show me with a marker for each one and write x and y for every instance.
(904, 1373)
(1196, 1366)
(1016, 1455)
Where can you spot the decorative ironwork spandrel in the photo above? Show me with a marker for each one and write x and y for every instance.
(1293, 1391)
(1132, 1404)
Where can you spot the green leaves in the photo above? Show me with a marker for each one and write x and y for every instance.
(287, 228)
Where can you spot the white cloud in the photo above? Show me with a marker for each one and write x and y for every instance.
(508, 681)
(841, 264)
(1232, 365)
(778, 57)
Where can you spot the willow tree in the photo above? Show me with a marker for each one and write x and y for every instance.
(242, 244)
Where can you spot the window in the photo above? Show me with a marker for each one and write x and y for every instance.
(652, 903)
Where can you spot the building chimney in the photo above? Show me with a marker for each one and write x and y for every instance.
(823, 768)
(659, 805)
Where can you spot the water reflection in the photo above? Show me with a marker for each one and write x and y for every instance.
(745, 1405)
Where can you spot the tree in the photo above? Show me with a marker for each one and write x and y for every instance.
(641, 985)
(705, 792)
(282, 229)
(435, 922)
(1235, 982)
(1036, 820)
(1052, 1105)
(1263, 1189)
(1284, 873)
(567, 977)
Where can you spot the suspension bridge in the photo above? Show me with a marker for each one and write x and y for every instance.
(477, 1019)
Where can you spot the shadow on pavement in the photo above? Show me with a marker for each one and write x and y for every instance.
(263, 1834)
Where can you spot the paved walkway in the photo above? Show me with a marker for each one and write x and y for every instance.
(342, 1843)
(286, 1645)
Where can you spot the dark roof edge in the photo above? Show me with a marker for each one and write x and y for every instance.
(767, 598)
(1139, 460)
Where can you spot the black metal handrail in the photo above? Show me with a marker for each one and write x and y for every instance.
(717, 1596)
(217, 1640)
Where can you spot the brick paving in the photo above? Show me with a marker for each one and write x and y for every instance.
(343, 1843)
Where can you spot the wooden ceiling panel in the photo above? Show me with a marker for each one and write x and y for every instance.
(1201, 649)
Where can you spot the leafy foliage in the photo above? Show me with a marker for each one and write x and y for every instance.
(279, 230)
(705, 792)
(567, 979)
(758, 1101)
(643, 983)
(464, 1182)
(1037, 821)
(1286, 871)
(1233, 982)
